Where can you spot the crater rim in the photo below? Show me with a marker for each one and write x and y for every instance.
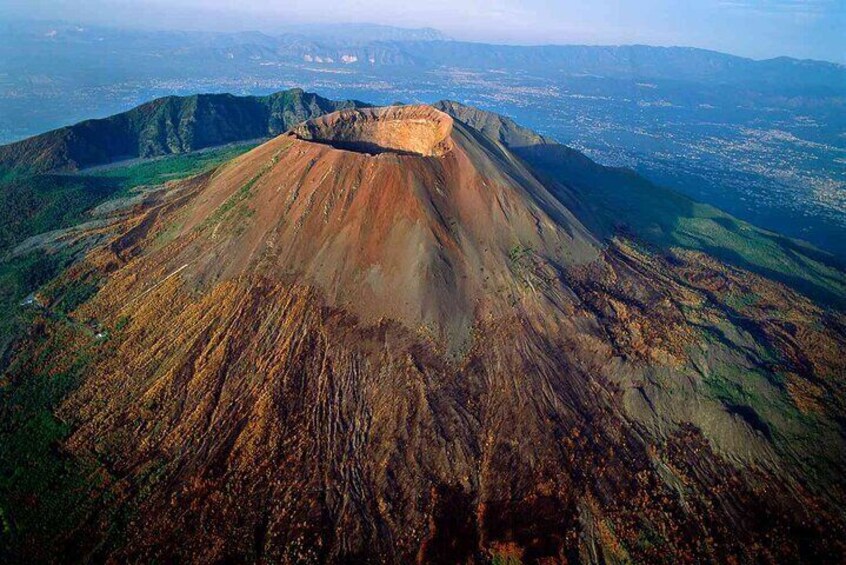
(413, 130)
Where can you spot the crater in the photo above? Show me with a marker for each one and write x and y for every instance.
(405, 130)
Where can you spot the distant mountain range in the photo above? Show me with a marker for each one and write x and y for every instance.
(362, 32)
(36, 47)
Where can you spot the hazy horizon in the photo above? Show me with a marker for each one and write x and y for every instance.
(759, 29)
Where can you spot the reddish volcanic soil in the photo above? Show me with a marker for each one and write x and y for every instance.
(380, 338)
(427, 236)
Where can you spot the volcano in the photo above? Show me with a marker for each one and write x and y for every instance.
(401, 334)
(396, 213)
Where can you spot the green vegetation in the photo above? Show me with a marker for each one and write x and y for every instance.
(240, 196)
(75, 293)
(121, 323)
(30, 205)
(741, 301)
(40, 203)
(165, 126)
(19, 277)
(766, 408)
(33, 205)
(160, 170)
(36, 204)
(518, 253)
(43, 491)
(792, 262)
(611, 200)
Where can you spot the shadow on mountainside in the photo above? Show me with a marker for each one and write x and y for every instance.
(612, 199)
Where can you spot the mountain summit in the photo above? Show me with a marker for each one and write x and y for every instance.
(412, 334)
(399, 213)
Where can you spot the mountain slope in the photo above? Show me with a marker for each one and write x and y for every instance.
(164, 126)
(610, 200)
(384, 336)
(435, 224)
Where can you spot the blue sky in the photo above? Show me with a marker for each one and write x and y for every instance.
(754, 28)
